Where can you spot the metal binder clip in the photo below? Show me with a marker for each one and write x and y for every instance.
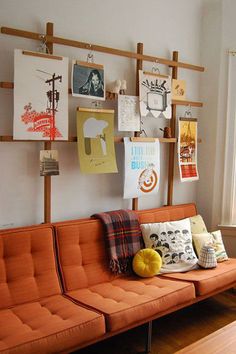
(42, 48)
(142, 131)
(96, 104)
(155, 69)
(188, 112)
(90, 55)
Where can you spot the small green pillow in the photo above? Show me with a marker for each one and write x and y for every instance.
(147, 263)
(197, 225)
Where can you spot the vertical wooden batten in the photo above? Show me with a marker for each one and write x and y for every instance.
(172, 147)
(138, 67)
(48, 146)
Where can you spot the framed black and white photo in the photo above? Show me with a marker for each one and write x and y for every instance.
(88, 80)
(49, 165)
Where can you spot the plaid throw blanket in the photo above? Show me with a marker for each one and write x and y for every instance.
(123, 238)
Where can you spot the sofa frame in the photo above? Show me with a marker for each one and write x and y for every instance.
(72, 238)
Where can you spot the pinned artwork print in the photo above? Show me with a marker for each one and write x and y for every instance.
(95, 131)
(187, 149)
(142, 168)
(154, 95)
(87, 80)
(178, 89)
(40, 96)
(128, 113)
(49, 165)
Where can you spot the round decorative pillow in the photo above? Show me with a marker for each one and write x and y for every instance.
(147, 263)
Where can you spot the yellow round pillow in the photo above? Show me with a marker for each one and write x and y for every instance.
(147, 263)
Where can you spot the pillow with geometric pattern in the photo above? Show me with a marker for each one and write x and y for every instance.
(213, 239)
(173, 241)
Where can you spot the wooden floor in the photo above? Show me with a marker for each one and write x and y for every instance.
(174, 331)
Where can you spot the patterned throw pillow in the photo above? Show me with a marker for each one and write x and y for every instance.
(173, 241)
(197, 224)
(211, 238)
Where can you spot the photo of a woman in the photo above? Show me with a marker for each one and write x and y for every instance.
(88, 81)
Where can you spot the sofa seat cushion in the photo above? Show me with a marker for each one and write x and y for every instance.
(129, 300)
(207, 281)
(51, 325)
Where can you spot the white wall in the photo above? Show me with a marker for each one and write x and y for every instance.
(210, 121)
(219, 28)
(218, 36)
(163, 26)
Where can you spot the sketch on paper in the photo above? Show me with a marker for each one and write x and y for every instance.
(87, 80)
(154, 95)
(178, 89)
(128, 113)
(95, 131)
(142, 168)
(187, 149)
(40, 97)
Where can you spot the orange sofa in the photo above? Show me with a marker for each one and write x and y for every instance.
(58, 295)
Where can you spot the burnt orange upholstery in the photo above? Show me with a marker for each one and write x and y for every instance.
(168, 213)
(126, 301)
(27, 266)
(35, 317)
(50, 325)
(82, 253)
(87, 278)
(209, 280)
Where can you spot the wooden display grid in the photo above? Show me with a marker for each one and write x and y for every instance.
(50, 39)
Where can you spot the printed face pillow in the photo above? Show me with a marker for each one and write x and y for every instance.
(173, 241)
(215, 240)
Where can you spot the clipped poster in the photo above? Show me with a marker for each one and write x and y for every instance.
(142, 168)
(187, 149)
(154, 95)
(128, 113)
(95, 132)
(40, 96)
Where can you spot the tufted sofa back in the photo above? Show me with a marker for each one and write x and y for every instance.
(82, 255)
(28, 269)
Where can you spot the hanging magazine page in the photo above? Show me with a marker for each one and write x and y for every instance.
(95, 132)
(154, 95)
(40, 96)
(187, 149)
(128, 113)
(87, 80)
(142, 168)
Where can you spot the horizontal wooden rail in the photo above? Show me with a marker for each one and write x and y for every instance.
(98, 48)
(7, 85)
(72, 139)
(187, 103)
(10, 85)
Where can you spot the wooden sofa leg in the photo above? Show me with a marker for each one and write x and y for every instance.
(149, 338)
